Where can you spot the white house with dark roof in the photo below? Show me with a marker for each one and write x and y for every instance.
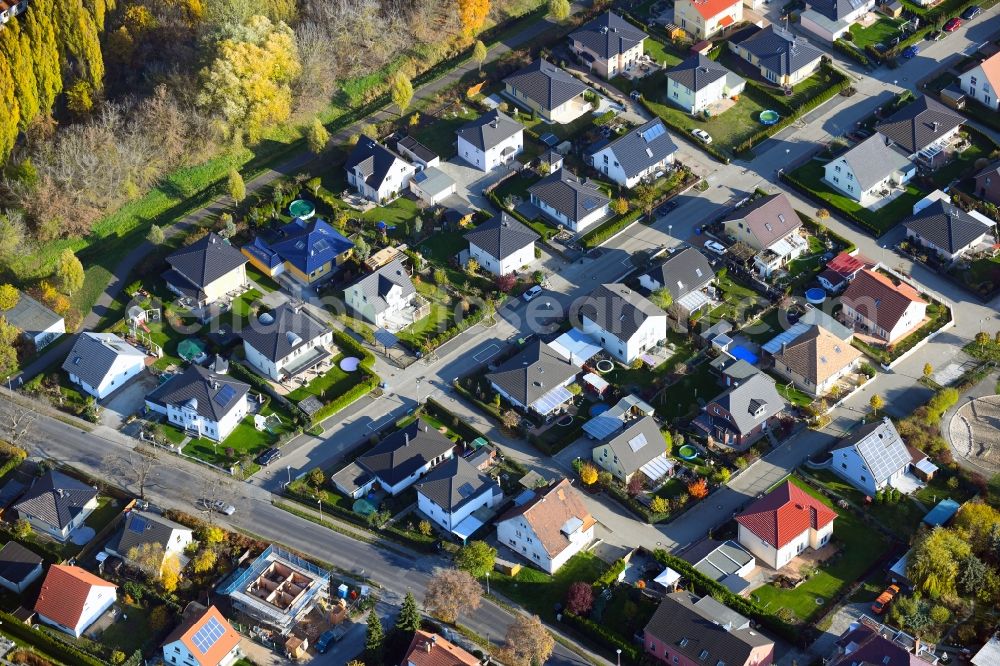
(566, 199)
(384, 297)
(101, 363)
(698, 82)
(608, 44)
(57, 504)
(286, 341)
(637, 155)
(554, 94)
(945, 228)
(831, 19)
(502, 245)
(535, 379)
(742, 414)
(417, 153)
(142, 528)
(687, 275)
(453, 491)
(37, 323)
(624, 321)
(491, 140)
(868, 169)
(781, 57)
(377, 173)
(639, 448)
(872, 457)
(923, 130)
(206, 271)
(201, 403)
(771, 226)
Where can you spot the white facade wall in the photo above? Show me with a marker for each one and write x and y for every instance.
(849, 465)
(696, 102)
(124, 368)
(509, 264)
(53, 530)
(186, 418)
(273, 369)
(689, 18)
(913, 315)
(99, 600)
(395, 183)
(395, 300)
(845, 182)
(176, 653)
(777, 558)
(952, 256)
(560, 218)
(652, 332)
(975, 84)
(607, 163)
(493, 157)
(449, 520)
(517, 534)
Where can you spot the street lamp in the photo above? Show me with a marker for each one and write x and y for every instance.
(487, 582)
(289, 469)
(319, 503)
(619, 651)
(670, 230)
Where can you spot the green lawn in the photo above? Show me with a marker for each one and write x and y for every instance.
(681, 399)
(736, 300)
(631, 380)
(396, 213)
(131, 634)
(332, 383)
(788, 391)
(765, 328)
(538, 592)
(245, 440)
(659, 52)
(982, 274)
(439, 319)
(883, 30)
(239, 315)
(439, 133)
(262, 281)
(859, 547)
(965, 162)
(671, 489)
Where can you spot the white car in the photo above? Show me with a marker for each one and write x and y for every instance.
(531, 293)
(702, 135)
(715, 247)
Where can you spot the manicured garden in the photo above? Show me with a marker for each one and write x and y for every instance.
(538, 592)
(242, 444)
(881, 31)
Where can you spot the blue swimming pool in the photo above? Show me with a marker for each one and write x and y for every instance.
(741, 352)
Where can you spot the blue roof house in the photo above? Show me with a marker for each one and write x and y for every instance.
(308, 250)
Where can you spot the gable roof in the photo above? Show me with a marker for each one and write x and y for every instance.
(817, 354)
(211, 395)
(309, 245)
(946, 226)
(618, 309)
(376, 285)
(991, 70)
(876, 297)
(697, 71)
(686, 271)
(835, 10)
(94, 355)
(208, 636)
(453, 483)
(551, 513)
(545, 84)
(710, 8)
(639, 443)
(501, 236)
(428, 649)
(372, 161)
(534, 372)
(769, 218)
(142, 527)
(56, 498)
(17, 562)
(278, 333)
(64, 593)
(751, 403)
(784, 513)
(404, 451)
(864, 646)
(642, 147)
(30, 316)
(489, 130)
(779, 50)
(872, 160)
(206, 260)
(574, 197)
(919, 124)
(609, 35)
(688, 627)
(880, 447)
(989, 654)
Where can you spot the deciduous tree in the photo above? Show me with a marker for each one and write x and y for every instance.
(588, 473)
(528, 642)
(203, 561)
(477, 558)
(620, 205)
(155, 235)
(450, 592)
(579, 598)
(235, 186)
(934, 564)
(22, 529)
(876, 403)
(928, 370)
(317, 137)
(636, 484)
(472, 15)
(504, 283)
(9, 296)
(479, 53)
(698, 489)
(662, 298)
(401, 91)
(70, 272)
(559, 9)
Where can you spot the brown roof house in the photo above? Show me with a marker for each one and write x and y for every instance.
(73, 598)
(880, 308)
(743, 414)
(428, 649)
(548, 529)
(816, 360)
(771, 226)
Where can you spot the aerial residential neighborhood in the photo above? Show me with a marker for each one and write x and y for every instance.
(509, 332)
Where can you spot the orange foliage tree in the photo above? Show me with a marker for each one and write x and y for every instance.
(472, 15)
(698, 489)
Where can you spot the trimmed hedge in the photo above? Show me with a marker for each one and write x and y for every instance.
(849, 214)
(603, 635)
(611, 575)
(450, 419)
(47, 643)
(599, 234)
(352, 347)
(359, 390)
(845, 48)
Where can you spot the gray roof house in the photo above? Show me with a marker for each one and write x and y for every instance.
(383, 295)
(143, 527)
(872, 457)
(378, 174)
(453, 490)
(101, 363)
(535, 379)
(202, 402)
(875, 163)
(921, 128)
(685, 275)
(639, 448)
(697, 82)
(417, 152)
(502, 244)
(286, 341)
(554, 94)
(743, 413)
(489, 130)
(726, 562)
(626, 322)
(19, 567)
(570, 200)
(57, 504)
(638, 154)
(782, 57)
(609, 44)
(949, 230)
(206, 270)
(37, 323)
(697, 71)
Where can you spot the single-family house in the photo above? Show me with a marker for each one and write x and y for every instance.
(490, 140)
(566, 199)
(842, 269)
(377, 173)
(203, 638)
(945, 228)
(535, 379)
(144, 529)
(743, 413)
(690, 631)
(9, 9)
(552, 93)
(687, 275)
(816, 360)
(698, 82)
(19, 567)
(782, 58)
(923, 129)
(783, 523)
(638, 155)
(988, 654)
(206, 271)
(396, 462)
(201, 403)
(385, 297)
(549, 528)
(57, 504)
(286, 341)
(704, 18)
(872, 457)
(101, 363)
(73, 598)
(638, 449)
(608, 44)
(869, 170)
(831, 19)
(982, 82)
(772, 227)
(428, 649)
(308, 250)
(869, 642)
(988, 183)
(417, 153)
(38, 324)
(626, 322)
(432, 185)
(502, 245)
(880, 308)
(453, 491)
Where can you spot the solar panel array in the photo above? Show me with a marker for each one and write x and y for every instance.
(208, 635)
(653, 132)
(225, 396)
(137, 524)
(883, 452)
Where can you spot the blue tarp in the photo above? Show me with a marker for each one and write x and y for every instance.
(942, 513)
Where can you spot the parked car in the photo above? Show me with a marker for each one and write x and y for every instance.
(330, 636)
(910, 51)
(715, 246)
(268, 456)
(666, 208)
(971, 12)
(216, 505)
(935, 36)
(530, 295)
(885, 599)
(953, 24)
(702, 135)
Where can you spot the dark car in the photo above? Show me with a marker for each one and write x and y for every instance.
(910, 51)
(268, 457)
(953, 24)
(972, 12)
(666, 208)
(329, 637)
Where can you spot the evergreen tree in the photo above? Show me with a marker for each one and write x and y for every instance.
(409, 615)
(375, 638)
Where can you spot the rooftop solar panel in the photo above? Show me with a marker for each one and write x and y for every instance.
(138, 524)
(653, 132)
(225, 395)
(208, 635)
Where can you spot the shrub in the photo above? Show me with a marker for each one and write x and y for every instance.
(579, 598)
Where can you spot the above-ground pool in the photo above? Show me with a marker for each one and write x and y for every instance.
(816, 295)
(769, 117)
(741, 352)
(687, 452)
(302, 208)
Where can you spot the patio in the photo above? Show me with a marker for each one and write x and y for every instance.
(719, 107)
(644, 67)
(882, 198)
(397, 320)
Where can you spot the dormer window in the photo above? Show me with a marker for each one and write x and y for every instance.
(704, 655)
(683, 642)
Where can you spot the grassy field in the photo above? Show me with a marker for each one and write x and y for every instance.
(882, 31)
(333, 383)
(965, 162)
(439, 133)
(245, 440)
(538, 592)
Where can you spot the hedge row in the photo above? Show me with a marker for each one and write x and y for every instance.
(818, 228)
(602, 634)
(47, 643)
(365, 386)
(611, 575)
(352, 347)
(851, 52)
(599, 234)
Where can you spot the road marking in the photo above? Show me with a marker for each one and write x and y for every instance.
(378, 425)
(493, 350)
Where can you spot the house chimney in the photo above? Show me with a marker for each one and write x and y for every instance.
(427, 647)
(916, 639)
(935, 123)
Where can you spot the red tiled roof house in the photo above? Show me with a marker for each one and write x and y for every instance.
(203, 638)
(783, 523)
(432, 650)
(842, 269)
(73, 598)
(876, 306)
(703, 18)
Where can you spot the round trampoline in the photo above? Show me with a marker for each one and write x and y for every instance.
(363, 507)
(816, 295)
(599, 408)
(604, 365)
(302, 208)
(769, 117)
(349, 364)
(566, 421)
(687, 452)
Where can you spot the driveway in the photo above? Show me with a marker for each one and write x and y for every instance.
(127, 400)
(471, 181)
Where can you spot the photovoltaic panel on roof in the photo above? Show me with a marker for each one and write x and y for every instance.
(637, 442)
(207, 636)
(137, 524)
(225, 395)
(653, 132)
